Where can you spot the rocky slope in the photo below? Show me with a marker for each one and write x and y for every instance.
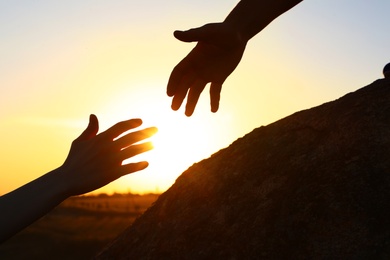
(314, 185)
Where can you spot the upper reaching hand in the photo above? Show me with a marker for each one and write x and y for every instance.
(219, 50)
(214, 58)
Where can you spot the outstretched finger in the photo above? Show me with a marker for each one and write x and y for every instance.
(134, 150)
(182, 89)
(134, 137)
(175, 78)
(122, 127)
(215, 96)
(132, 167)
(178, 98)
(193, 96)
(182, 75)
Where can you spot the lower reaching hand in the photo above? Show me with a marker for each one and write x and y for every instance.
(96, 160)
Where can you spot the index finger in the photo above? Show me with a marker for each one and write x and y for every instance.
(174, 79)
(121, 127)
(179, 72)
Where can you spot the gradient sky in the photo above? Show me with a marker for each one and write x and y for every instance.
(63, 60)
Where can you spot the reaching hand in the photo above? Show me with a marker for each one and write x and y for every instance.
(96, 160)
(214, 58)
(93, 161)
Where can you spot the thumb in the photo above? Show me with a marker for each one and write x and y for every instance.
(91, 130)
(194, 35)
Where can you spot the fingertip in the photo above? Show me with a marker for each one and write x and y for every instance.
(170, 93)
(175, 106)
(188, 114)
(91, 130)
(143, 165)
(172, 83)
(189, 111)
(170, 87)
(178, 33)
(136, 121)
(214, 106)
(132, 123)
(186, 36)
(215, 96)
(154, 129)
(94, 122)
(92, 117)
(190, 106)
(151, 131)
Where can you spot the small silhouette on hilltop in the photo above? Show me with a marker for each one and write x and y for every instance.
(386, 71)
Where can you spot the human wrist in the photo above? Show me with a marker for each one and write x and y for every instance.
(61, 182)
(232, 35)
(246, 20)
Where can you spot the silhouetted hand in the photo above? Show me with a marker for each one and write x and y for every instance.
(214, 58)
(93, 161)
(96, 160)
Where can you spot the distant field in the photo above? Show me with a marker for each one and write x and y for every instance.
(78, 228)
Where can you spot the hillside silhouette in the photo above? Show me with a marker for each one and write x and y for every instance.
(314, 185)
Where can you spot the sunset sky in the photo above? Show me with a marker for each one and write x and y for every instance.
(60, 61)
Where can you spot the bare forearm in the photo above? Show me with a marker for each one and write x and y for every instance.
(251, 16)
(30, 202)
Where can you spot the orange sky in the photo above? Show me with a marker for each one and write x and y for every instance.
(61, 61)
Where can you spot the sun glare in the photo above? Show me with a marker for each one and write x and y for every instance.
(179, 142)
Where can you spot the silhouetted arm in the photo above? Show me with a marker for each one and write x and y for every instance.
(93, 161)
(249, 17)
(219, 50)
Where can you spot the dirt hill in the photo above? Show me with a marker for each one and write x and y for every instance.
(314, 185)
